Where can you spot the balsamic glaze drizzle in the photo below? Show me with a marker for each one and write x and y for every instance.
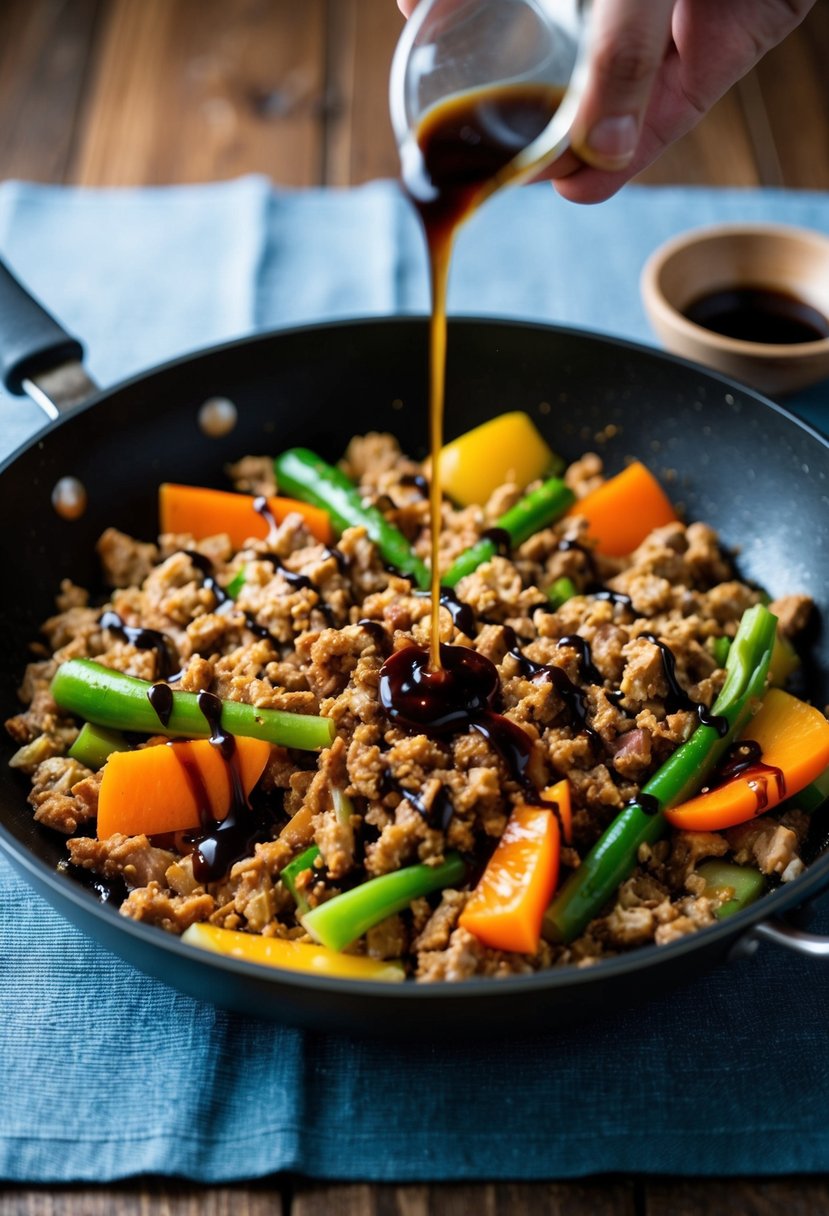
(457, 697)
(615, 699)
(678, 698)
(741, 755)
(438, 815)
(744, 759)
(260, 506)
(377, 631)
(587, 668)
(500, 539)
(142, 639)
(463, 618)
(205, 566)
(647, 803)
(417, 481)
(220, 844)
(160, 696)
(573, 697)
(339, 557)
(300, 582)
(613, 597)
(575, 546)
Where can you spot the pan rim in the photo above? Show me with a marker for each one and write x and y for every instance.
(569, 976)
(420, 320)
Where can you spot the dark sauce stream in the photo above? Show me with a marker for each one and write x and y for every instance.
(461, 151)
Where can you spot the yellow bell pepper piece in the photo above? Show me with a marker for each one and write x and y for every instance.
(507, 448)
(290, 955)
(784, 662)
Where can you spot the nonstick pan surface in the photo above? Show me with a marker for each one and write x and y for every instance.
(728, 457)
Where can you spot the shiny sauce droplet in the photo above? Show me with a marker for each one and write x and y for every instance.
(160, 696)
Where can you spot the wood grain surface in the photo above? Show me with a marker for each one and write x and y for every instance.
(587, 1197)
(140, 92)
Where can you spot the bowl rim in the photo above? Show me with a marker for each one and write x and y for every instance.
(658, 305)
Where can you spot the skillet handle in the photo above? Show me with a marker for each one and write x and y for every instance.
(816, 945)
(782, 934)
(38, 356)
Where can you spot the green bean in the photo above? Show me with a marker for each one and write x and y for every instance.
(562, 590)
(111, 699)
(744, 882)
(306, 476)
(95, 743)
(613, 857)
(304, 861)
(340, 921)
(535, 511)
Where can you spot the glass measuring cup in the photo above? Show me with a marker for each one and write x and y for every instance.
(449, 48)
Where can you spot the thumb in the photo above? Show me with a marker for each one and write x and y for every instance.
(628, 45)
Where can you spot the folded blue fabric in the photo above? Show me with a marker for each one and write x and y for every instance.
(107, 1073)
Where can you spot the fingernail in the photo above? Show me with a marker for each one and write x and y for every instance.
(614, 139)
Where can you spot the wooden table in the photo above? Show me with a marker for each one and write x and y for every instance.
(139, 92)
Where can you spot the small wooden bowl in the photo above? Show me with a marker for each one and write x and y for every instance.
(766, 256)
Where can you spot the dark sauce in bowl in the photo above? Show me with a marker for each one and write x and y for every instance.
(758, 314)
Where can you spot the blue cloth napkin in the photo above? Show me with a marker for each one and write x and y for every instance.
(107, 1073)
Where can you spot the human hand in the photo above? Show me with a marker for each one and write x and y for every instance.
(656, 68)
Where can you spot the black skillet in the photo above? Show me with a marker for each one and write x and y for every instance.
(730, 457)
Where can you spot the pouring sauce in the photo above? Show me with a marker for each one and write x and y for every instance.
(460, 154)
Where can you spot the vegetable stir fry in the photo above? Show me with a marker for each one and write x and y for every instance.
(244, 742)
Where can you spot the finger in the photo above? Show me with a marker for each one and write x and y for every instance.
(629, 40)
(407, 7)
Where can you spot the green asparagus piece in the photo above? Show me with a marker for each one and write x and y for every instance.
(236, 583)
(306, 476)
(745, 883)
(562, 590)
(95, 743)
(720, 648)
(111, 699)
(533, 512)
(613, 857)
(340, 921)
(304, 861)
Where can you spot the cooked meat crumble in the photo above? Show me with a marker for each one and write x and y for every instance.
(320, 642)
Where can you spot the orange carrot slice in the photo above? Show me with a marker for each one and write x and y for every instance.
(159, 789)
(560, 795)
(793, 738)
(624, 510)
(203, 513)
(506, 908)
